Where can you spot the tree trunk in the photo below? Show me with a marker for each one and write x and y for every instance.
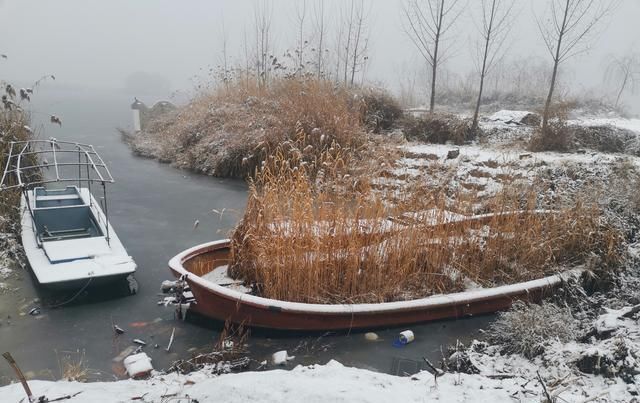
(547, 104)
(432, 99)
(624, 84)
(355, 52)
(434, 65)
(556, 62)
(474, 125)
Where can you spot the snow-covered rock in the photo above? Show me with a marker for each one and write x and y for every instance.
(281, 357)
(138, 365)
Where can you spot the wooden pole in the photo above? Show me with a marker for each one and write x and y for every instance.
(7, 356)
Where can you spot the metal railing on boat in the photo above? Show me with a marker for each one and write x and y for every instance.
(36, 153)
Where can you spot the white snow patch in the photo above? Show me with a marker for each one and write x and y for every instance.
(5, 272)
(328, 383)
(508, 116)
(621, 123)
(220, 276)
(138, 365)
(609, 321)
(281, 357)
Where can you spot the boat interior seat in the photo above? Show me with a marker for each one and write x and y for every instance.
(66, 223)
(59, 202)
(66, 234)
(57, 197)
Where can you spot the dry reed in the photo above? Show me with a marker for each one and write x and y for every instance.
(230, 131)
(310, 235)
(13, 127)
(73, 366)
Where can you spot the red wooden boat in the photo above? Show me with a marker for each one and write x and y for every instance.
(223, 303)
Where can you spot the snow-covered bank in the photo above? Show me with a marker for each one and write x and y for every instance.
(327, 383)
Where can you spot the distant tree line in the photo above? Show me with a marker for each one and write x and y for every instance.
(334, 44)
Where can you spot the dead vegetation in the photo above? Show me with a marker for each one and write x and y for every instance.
(228, 355)
(321, 233)
(230, 131)
(437, 128)
(556, 135)
(13, 127)
(73, 366)
(528, 329)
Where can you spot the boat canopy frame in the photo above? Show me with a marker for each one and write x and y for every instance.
(27, 159)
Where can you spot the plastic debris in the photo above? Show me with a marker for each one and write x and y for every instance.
(173, 332)
(138, 365)
(34, 311)
(406, 337)
(140, 342)
(281, 357)
(118, 329)
(370, 336)
(168, 285)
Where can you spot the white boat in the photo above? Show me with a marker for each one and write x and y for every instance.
(67, 237)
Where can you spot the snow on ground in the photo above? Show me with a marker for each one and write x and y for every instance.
(612, 351)
(483, 170)
(621, 123)
(332, 382)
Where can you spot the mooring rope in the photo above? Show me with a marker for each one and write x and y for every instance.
(72, 298)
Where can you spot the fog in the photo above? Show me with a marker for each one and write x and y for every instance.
(105, 44)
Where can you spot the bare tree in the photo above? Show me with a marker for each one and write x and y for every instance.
(353, 40)
(625, 72)
(565, 31)
(301, 14)
(319, 23)
(428, 22)
(347, 20)
(225, 76)
(496, 24)
(247, 59)
(360, 42)
(338, 51)
(262, 26)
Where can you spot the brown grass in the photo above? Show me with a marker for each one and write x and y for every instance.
(557, 136)
(73, 366)
(437, 128)
(311, 236)
(12, 128)
(230, 131)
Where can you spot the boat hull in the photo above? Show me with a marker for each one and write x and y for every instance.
(70, 267)
(220, 303)
(84, 283)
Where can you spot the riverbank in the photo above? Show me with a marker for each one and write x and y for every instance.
(335, 382)
(155, 221)
(588, 351)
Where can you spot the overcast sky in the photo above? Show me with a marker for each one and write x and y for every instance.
(100, 43)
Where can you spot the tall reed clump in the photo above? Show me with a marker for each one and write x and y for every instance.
(315, 232)
(13, 127)
(229, 131)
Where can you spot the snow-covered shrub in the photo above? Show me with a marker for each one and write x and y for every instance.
(231, 130)
(437, 128)
(528, 328)
(557, 135)
(381, 110)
